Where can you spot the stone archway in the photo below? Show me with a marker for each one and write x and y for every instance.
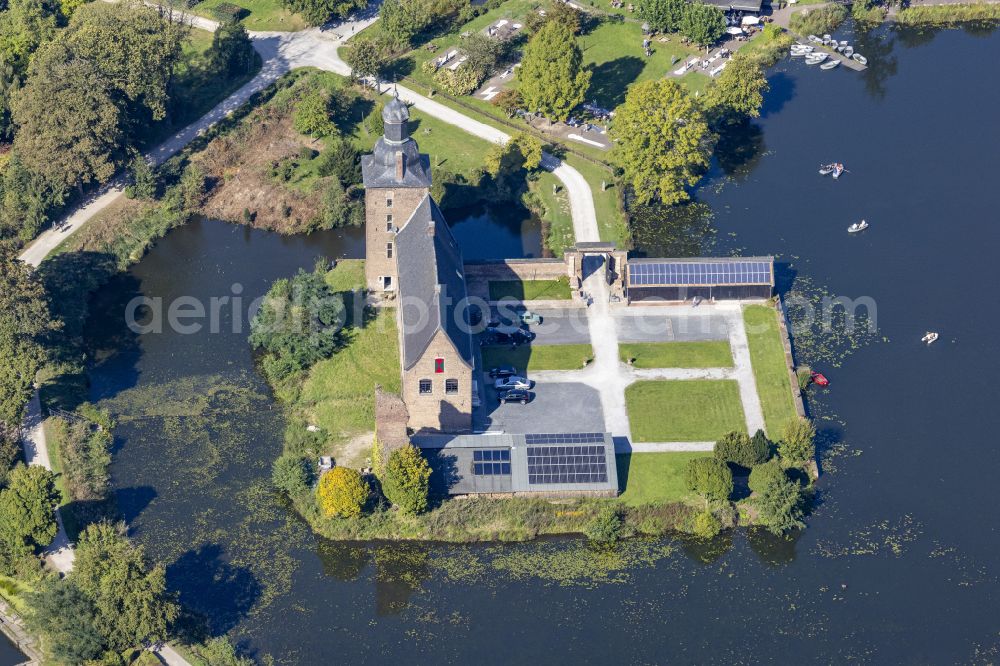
(610, 257)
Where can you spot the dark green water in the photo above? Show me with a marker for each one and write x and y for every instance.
(898, 563)
(9, 654)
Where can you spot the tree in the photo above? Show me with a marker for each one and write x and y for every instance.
(739, 449)
(25, 326)
(760, 446)
(797, 441)
(9, 83)
(366, 59)
(401, 20)
(24, 26)
(312, 115)
(706, 525)
(703, 24)
(67, 110)
(232, 52)
(663, 142)
(68, 7)
(607, 526)
(291, 474)
(64, 614)
(483, 53)
(740, 88)
(778, 499)
(342, 493)
(662, 15)
(341, 159)
(553, 80)
(407, 479)
(135, 49)
(522, 151)
(133, 606)
(458, 82)
(318, 12)
(143, 179)
(339, 210)
(25, 199)
(28, 505)
(509, 101)
(562, 13)
(709, 477)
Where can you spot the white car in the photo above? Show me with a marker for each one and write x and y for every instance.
(513, 382)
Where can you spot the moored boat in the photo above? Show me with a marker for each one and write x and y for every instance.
(860, 58)
(815, 58)
(829, 65)
(857, 226)
(837, 170)
(819, 379)
(814, 39)
(827, 169)
(848, 51)
(929, 337)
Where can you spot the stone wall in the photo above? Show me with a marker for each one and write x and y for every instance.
(517, 269)
(439, 411)
(377, 233)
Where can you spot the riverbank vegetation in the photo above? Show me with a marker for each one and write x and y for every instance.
(818, 20)
(770, 369)
(949, 15)
(79, 111)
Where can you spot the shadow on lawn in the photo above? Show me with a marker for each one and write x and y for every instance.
(610, 80)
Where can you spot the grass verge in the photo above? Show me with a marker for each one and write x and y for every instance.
(263, 14)
(654, 478)
(539, 357)
(693, 410)
(767, 355)
(948, 15)
(708, 354)
(531, 290)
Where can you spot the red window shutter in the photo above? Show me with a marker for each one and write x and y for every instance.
(438, 366)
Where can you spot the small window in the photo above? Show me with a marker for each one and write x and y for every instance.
(451, 386)
(438, 366)
(388, 219)
(388, 250)
(388, 202)
(387, 282)
(425, 387)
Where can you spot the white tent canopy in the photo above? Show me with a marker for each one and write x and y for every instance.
(750, 20)
(734, 31)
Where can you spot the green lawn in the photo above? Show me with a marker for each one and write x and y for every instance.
(614, 51)
(339, 393)
(538, 357)
(531, 290)
(767, 355)
(684, 410)
(560, 236)
(654, 478)
(264, 14)
(610, 221)
(709, 354)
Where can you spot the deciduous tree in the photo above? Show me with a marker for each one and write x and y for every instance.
(709, 477)
(28, 505)
(24, 26)
(797, 441)
(509, 101)
(662, 15)
(132, 602)
(312, 115)
(739, 90)
(232, 51)
(703, 24)
(342, 493)
(366, 59)
(663, 142)
(553, 80)
(65, 616)
(407, 478)
(522, 151)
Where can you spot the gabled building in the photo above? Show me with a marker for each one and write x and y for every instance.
(412, 256)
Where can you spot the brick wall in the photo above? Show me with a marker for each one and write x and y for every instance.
(517, 269)
(377, 235)
(439, 411)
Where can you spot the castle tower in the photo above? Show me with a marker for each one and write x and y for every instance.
(396, 178)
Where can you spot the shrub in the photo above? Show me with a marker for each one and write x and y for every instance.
(818, 21)
(767, 474)
(407, 478)
(142, 179)
(605, 527)
(227, 12)
(709, 477)
(739, 449)
(706, 525)
(509, 101)
(340, 159)
(373, 122)
(461, 81)
(779, 500)
(291, 474)
(342, 493)
(797, 441)
(312, 115)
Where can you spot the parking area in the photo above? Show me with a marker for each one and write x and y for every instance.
(559, 326)
(556, 407)
(683, 324)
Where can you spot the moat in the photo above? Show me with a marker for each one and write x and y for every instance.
(896, 563)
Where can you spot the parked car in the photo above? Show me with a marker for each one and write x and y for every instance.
(514, 395)
(503, 371)
(510, 335)
(529, 318)
(512, 382)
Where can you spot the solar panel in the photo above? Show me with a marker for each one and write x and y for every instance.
(583, 463)
(491, 462)
(723, 271)
(565, 438)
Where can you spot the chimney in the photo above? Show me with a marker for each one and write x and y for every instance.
(400, 165)
(430, 228)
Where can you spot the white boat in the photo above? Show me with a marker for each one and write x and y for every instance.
(829, 65)
(848, 51)
(827, 38)
(860, 58)
(837, 170)
(857, 226)
(929, 337)
(814, 39)
(815, 58)
(843, 43)
(827, 169)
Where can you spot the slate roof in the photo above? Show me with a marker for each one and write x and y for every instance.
(431, 272)
(379, 168)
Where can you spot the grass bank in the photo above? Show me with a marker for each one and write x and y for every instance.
(767, 355)
(692, 410)
(539, 357)
(819, 20)
(654, 478)
(264, 15)
(949, 15)
(531, 290)
(707, 354)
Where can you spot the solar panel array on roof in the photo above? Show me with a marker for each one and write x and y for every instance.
(565, 438)
(700, 273)
(567, 464)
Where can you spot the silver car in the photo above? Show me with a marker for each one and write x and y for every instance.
(512, 382)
